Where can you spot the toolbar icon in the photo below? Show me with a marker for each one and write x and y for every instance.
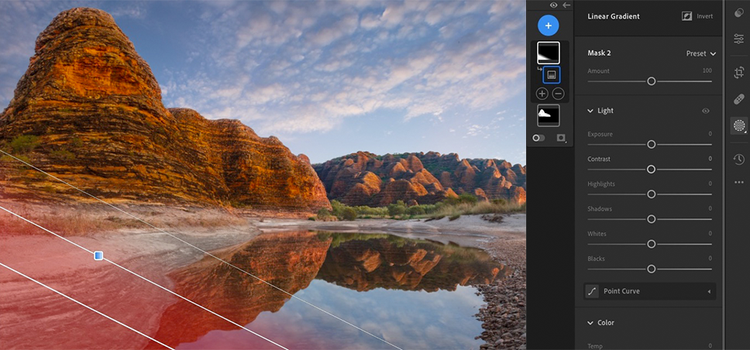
(739, 12)
(739, 39)
(687, 16)
(739, 99)
(739, 72)
(739, 125)
(739, 159)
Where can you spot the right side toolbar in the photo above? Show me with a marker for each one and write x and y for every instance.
(737, 185)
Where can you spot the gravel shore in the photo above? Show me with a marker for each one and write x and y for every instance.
(504, 316)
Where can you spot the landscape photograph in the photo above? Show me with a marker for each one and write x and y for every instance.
(262, 174)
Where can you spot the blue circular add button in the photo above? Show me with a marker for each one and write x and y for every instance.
(548, 25)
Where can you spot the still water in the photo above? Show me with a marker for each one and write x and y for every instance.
(416, 294)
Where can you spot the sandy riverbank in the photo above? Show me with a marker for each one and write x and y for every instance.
(468, 230)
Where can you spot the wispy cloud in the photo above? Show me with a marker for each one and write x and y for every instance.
(310, 67)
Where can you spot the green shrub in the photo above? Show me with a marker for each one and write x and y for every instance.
(349, 214)
(24, 143)
(467, 198)
(454, 217)
(323, 214)
(63, 154)
(8, 159)
(500, 201)
(76, 142)
(48, 189)
(430, 208)
(454, 207)
(416, 210)
(395, 209)
(364, 210)
(337, 208)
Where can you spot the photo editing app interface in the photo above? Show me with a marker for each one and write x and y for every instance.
(637, 131)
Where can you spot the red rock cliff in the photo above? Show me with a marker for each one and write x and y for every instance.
(89, 110)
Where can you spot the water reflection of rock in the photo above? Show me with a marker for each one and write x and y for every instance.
(291, 260)
(383, 261)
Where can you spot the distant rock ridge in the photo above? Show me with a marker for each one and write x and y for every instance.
(89, 111)
(364, 178)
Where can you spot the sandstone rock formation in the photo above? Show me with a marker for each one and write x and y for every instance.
(89, 110)
(364, 178)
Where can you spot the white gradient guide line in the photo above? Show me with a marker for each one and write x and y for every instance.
(198, 249)
(84, 305)
(146, 279)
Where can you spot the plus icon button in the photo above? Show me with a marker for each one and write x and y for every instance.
(542, 93)
(548, 25)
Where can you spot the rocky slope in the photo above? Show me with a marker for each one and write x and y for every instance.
(364, 178)
(89, 110)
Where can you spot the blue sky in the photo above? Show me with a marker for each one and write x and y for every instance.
(328, 78)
